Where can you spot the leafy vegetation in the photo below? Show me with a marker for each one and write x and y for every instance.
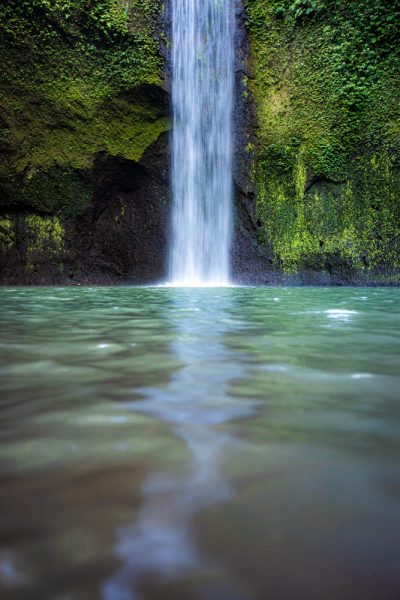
(77, 79)
(326, 84)
(67, 87)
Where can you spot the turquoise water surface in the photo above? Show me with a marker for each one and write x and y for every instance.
(200, 444)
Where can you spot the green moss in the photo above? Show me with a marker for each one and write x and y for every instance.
(356, 223)
(326, 85)
(45, 235)
(57, 190)
(7, 234)
(119, 127)
(77, 79)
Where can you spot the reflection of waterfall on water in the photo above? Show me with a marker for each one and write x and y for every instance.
(160, 542)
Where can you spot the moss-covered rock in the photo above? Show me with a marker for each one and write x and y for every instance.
(45, 240)
(84, 162)
(73, 82)
(79, 79)
(7, 234)
(326, 170)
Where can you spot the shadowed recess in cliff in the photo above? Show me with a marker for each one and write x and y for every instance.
(202, 97)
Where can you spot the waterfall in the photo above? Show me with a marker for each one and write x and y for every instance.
(202, 98)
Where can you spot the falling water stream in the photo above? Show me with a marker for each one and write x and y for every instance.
(202, 98)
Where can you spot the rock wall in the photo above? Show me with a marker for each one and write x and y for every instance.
(84, 174)
(325, 80)
(84, 160)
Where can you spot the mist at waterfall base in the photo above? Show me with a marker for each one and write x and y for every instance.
(202, 102)
(229, 444)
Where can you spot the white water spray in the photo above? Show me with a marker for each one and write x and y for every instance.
(202, 97)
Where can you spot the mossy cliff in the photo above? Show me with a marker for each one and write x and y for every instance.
(80, 87)
(84, 183)
(325, 82)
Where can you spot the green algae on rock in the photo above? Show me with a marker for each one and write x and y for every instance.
(326, 170)
(82, 139)
(79, 79)
(73, 81)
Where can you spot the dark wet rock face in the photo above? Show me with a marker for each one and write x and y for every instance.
(249, 262)
(128, 220)
(121, 235)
